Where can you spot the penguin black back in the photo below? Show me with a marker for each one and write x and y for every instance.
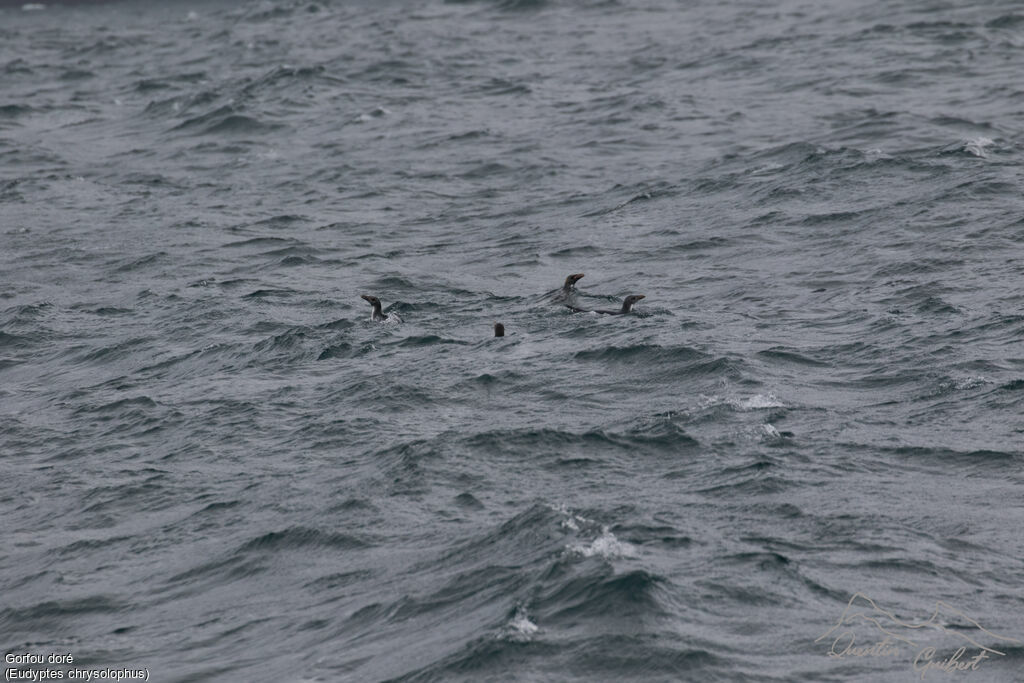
(627, 306)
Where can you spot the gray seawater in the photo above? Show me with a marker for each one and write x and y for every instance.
(216, 467)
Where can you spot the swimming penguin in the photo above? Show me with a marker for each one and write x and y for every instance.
(567, 292)
(499, 330)
(376, 315)
(570, 283)
(627, 305)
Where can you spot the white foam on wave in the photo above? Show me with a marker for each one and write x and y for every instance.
(377, 113)
(520, 628)
(755, 402)
(760, 401)
(766, 169)
(964, 383)
(605, 545)
(977, 146)
(33, 7)
(571, 520)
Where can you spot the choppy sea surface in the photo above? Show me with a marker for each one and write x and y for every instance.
(216, 467)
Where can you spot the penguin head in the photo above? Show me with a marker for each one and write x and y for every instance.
(628, 302)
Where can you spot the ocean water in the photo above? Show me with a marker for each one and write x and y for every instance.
(216, 467)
